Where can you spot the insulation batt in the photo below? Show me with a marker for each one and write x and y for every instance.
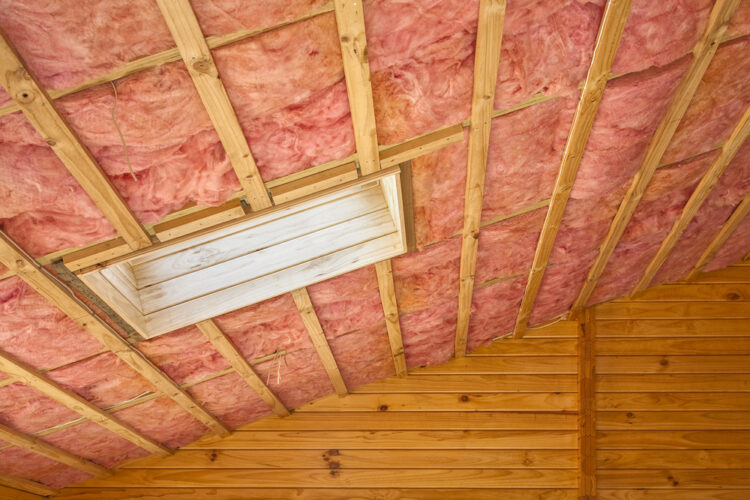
(219, 17)
(28, 410)
(230, 399)
(735, 248)
(740, 24)
(428, 276)
(364, 356)
(163, 420)
(429, 334)
(494, 309)
(297, 377)
(28, 465)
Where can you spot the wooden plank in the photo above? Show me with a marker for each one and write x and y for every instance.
(50, 288)
(669, 479)
(558, 329)
(677, 494)
(94, 254)
(418, 383)
(674, 459)
(675, 346)
(695, 293)
(529, 347)
(700, 193)
(732, 274)
(363, 459)
(26, 91)
(676, 382)
(666, 401)
(738, 215)
(310, 319)
(486, 64)
(24, 485)
(314, 183)
(673, 420)
(587, 452)
(608, 39)
(487, 365)
(387, 289)
(421, 145)
(182, 23)
(14, 494)
(673, 440)
(407, 201)
(673, 364)
(672, 310)
(225, 347)
(674, 328)
(703, 53)
(195, 221)
(52, 452)
(446, 402)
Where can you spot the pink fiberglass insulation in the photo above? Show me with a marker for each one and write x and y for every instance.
(219, 17)
(734, 249)
(93, 442)
(104, 380)
(364, 356)
(524, 156)
(28, 465)
(422, 64)
(288, 91)
(63, 51)
(506, 248)
(230, 399)
(296, 377)
(721, 98)
(164, 421)
(740, 24)
(429, 334)
(658, 33)
(36, 332)
(348, 302)
(428, 276)
(560, 286)
(28, 410)
(661, 205)
(184, 355)
(494, 309)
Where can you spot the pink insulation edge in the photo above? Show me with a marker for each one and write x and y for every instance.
(734, 249)
(28, 465)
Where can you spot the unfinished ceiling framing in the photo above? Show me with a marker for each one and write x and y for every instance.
(533, 159)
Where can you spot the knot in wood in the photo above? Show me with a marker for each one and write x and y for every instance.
(51, 142)
(202, 65)
(25, 96)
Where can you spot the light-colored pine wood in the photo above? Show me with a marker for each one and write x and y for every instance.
(23, 87)
(676, 494)
(225, 347)
(196, 54)
(673, 310)
(196, 221)
(313, 183)
(310, 319)
(607, 41)
(32, 378)
(486, 64)
(396, 154)
(677, 382)
(733, 274)
(387, 288)
(24, 485)
(418, 383)
(673, 420)
(671, 479)
(673, 328)
(675, 440)
(668, 401)
(14, 494)
(684, 292)
(700, 193)
(675, 346)
(673, 364)
(529, 347)
(487, 365)
(672, 459)
(60, 296)
(586, 410)
(703, 53)
(53, 452)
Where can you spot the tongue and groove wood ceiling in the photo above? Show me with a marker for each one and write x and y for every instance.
(562, 153)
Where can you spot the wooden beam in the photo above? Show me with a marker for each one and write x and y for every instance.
(50, 288)
(194, 50)
(306, 310)
(26, 485)
(33, 378)
(387, 288)
(53, 452)
(486, 64)
(728, 150)
(14, 494)
(703, 53)
(607, 40)
(225, 347)
(586, 410)
(421, 145)
(40, 111)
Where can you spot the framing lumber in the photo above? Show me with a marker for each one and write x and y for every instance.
(310, 319)
(703, 53)
(734, 221)
(18, 483)
(39, 109)
(387, 288)
(194, 50)
(31, 377)
(587, 409)
(225, 347)
(53, 452)
(486, 65)
(607, 41)
(729, 149)
(50, 288)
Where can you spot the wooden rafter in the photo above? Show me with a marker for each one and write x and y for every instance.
(31, 377)
(50, 288)
(305, 307)
(607, 40)
(225, 347)
(384, 271)
(194, 50)
(729, 149)
(18, 483)
(703, 53)
(486, 65)
(734, 221)
(40, 111)
(53, 452)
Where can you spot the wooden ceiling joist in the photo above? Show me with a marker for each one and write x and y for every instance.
(225, 347)
(729, 149)
(50, 288)
(703, 53)
(40, 447)
(40, 111)
(607, 41)
(194, 50)
(33, 378)
(18, 483)
(310, 319)
(486, 65)
(384, 271)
